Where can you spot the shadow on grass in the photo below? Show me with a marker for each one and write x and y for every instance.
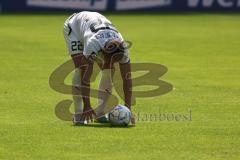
(105, 125)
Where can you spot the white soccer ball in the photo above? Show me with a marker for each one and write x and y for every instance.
(120, 116)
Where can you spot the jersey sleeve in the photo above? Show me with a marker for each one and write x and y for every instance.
(91, 47)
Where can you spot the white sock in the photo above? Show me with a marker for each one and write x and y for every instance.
(77, 100)
(106, 86)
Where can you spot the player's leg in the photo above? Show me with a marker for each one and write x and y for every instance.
(105, 85)
(76, 92)
(76, 52)
(77, 99)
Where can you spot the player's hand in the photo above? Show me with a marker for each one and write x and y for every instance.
(88, 114)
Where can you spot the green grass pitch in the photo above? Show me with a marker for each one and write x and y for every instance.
(201, 53)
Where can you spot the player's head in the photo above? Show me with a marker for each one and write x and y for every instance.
(113, 50)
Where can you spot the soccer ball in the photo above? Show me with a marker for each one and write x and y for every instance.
(120, 116)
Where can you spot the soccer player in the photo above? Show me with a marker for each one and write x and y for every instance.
(91, 37)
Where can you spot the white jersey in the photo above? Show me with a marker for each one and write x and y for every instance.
(88, 32)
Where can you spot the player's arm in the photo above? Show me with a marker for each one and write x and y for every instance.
(125, 70)
(86, 71)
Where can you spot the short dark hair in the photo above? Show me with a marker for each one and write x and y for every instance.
(114, 46)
